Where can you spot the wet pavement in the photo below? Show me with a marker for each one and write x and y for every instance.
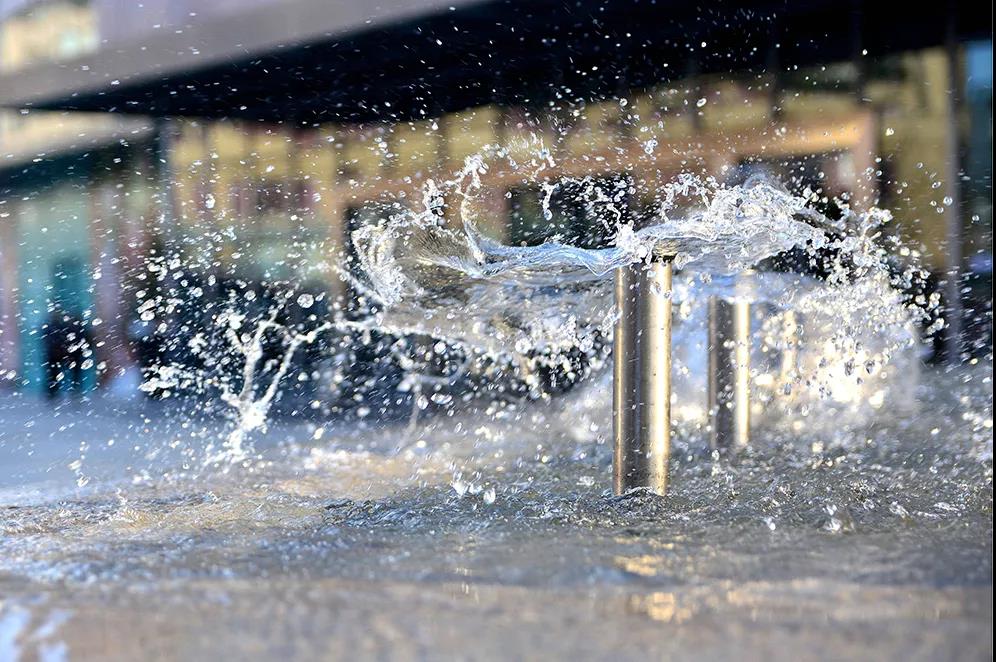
(493, 535)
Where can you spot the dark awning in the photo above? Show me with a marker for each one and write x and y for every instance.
(314, 61)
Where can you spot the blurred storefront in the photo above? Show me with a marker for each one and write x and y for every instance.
(71, 207)
(86, 199)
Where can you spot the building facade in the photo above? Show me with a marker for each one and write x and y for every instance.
(86, 201)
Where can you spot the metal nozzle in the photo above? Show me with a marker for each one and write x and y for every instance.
(729, 373)
(642, 375)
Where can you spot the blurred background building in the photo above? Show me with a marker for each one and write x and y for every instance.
(254, 135)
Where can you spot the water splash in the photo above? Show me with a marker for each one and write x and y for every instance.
(539, 303)
(249, 396)
(542, 315)
(252, 402)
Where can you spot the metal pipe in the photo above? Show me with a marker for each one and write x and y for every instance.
(162, 153)
(790, 353)
(642, 375)
(729, 373)
(954, 312)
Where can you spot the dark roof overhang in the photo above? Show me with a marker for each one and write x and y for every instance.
(313, 61)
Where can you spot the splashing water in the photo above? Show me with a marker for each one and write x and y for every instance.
(552, 296)
(250, 400)
(250, 406)
(550, 306)
(537, 304)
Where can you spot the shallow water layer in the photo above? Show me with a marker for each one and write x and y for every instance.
(487, 534)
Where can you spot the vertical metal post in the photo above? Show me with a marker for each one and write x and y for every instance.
(729, 373)
(790, 353)
(10, 350)
(642, 374)
(165, 135)
(952, 206)
(773, 70)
